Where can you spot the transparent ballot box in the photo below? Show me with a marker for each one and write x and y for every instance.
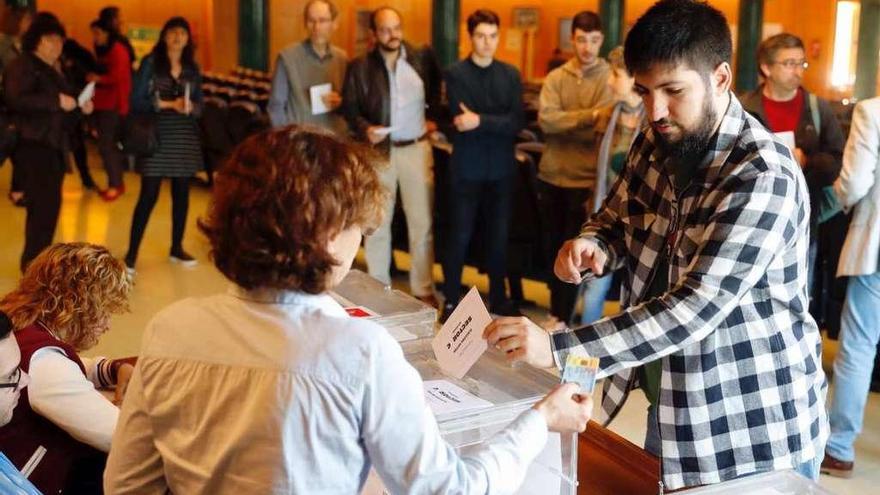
(499, 393)
(405, 317)
(774, 483)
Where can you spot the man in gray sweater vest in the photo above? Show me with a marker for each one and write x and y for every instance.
(305, 68)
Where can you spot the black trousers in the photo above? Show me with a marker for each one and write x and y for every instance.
(81, 157)
(563, 211)
(147, 200)
(42, 173)
(468, 200)
(108, 124)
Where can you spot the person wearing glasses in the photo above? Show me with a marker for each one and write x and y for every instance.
(312, 63)
(783, 105)
(12, 380)
(62, 426)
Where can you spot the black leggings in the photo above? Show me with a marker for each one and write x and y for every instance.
(147, 200)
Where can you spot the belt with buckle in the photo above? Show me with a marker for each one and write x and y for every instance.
(408, 142)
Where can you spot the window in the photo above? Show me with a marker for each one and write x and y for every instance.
(846, 36)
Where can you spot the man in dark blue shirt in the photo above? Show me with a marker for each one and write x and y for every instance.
(485, 98)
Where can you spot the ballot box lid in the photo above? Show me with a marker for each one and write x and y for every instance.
(404, 316)
(508, 389)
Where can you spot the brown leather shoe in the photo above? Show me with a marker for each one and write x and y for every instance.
(835, 467)
(430, 300)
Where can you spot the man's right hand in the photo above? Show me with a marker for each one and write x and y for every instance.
(67, 102)
(565, 410)
(576, 256)
(374, 136)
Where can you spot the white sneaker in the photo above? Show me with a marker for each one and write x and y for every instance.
(184, 259)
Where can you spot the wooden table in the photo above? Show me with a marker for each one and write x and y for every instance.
(609, 464)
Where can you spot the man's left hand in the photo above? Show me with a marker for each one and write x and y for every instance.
(521, 340)
(467, 120)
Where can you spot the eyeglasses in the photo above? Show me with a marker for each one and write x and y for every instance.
(793, 64)
(14, 384)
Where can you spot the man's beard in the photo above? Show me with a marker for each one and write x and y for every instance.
(692, 145)
(387, 48)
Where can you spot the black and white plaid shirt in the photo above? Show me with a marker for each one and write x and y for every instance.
(742, 387)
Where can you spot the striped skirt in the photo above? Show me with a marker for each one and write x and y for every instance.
(180, 150)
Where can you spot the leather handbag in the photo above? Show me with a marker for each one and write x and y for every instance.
(140, 136)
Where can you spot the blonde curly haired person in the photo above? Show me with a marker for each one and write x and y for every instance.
(63, 425)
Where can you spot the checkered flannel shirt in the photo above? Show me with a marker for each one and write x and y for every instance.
(742, 387)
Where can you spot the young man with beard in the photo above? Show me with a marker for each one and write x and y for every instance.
(709, 221)
(485, 98)
(391, 100)
(571, 98)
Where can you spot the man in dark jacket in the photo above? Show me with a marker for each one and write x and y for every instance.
(485, 96)
(783, 105)
(391, 98)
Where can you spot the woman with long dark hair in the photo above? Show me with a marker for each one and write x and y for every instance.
(168, 83)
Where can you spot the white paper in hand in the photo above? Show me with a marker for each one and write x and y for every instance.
(316, 94)
(460, 342)
(86, 95)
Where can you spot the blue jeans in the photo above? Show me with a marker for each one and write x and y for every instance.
(594, 293)
(859, 332)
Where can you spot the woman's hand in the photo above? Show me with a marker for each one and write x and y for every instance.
(565, 409)
(67, 102)
(123, 376)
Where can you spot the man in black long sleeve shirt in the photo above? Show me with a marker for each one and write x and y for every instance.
(485, 96)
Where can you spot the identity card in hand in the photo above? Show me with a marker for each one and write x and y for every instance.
(581, 370)
(460, 342)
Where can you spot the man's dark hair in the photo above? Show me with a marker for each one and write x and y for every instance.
(44, 24)
(678, 31)
(768, 48)
(586, 21)
(374, 14)
(482, 16)
(5, 325)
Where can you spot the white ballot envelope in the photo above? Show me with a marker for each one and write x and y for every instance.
(460, 342)
(384, 131)
(187, 104)
(86, 95)
(316, 93)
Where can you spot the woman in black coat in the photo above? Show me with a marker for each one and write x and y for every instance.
(41, 101)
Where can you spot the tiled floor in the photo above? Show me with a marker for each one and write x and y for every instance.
(85, 217)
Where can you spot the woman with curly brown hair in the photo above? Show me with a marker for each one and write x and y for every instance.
(62, 426)
(272, 388)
